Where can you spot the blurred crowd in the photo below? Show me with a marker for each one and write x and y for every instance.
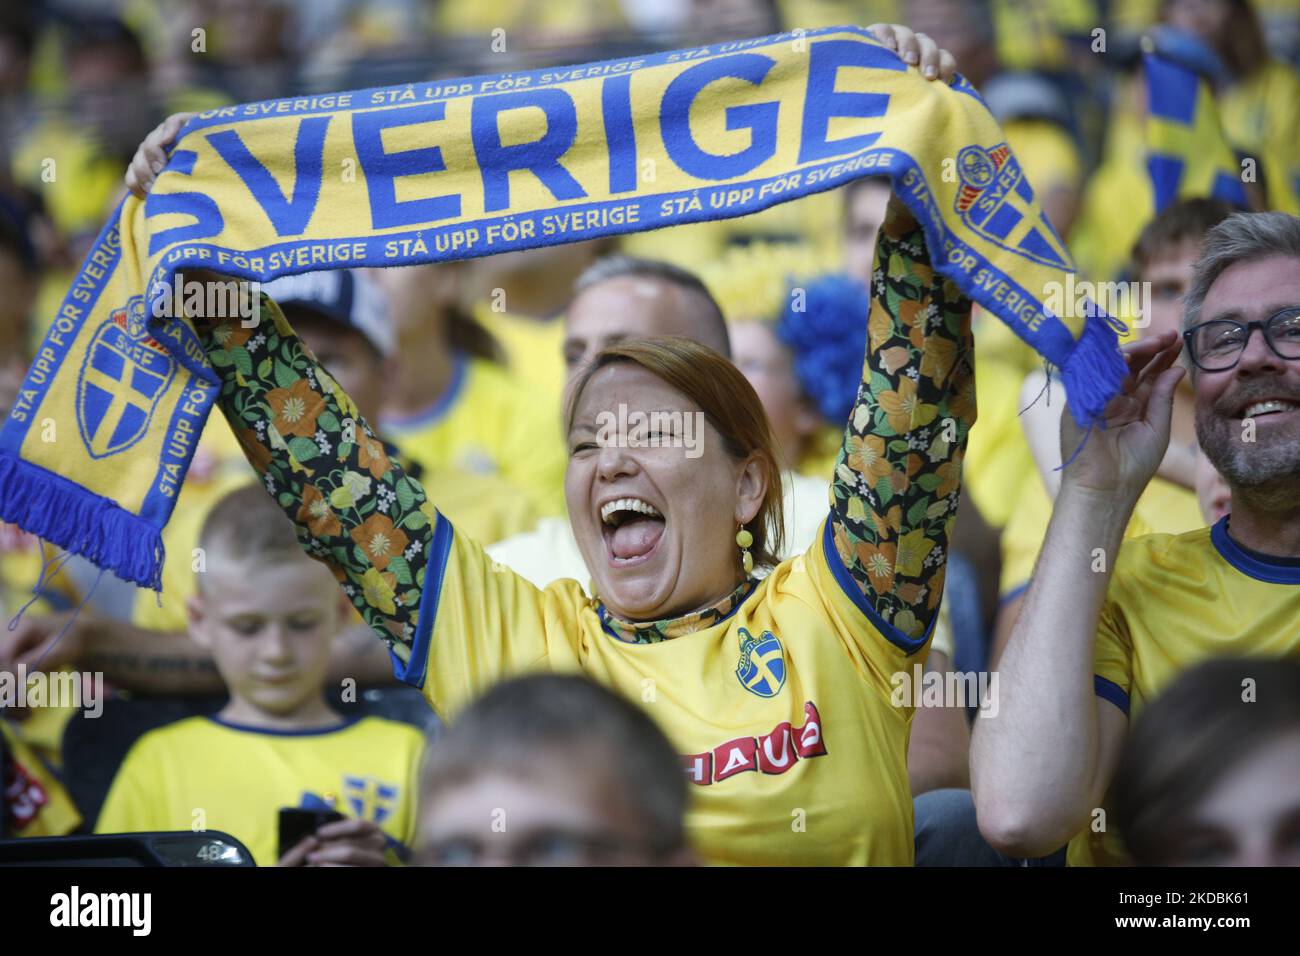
(463, 366)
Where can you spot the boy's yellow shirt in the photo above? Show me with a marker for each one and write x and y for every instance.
(206, 773)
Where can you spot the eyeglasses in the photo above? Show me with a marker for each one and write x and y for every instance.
(1217, 345)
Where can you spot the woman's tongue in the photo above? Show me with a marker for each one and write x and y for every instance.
(635, 537)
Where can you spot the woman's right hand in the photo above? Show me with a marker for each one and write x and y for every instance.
(151, 157)
(918, 50)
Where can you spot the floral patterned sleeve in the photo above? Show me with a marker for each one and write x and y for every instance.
(354, 508)
(898, 475)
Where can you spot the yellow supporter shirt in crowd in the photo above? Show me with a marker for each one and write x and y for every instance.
(23, 560)
(1164, 508)
(35, 802)
(474, 17)
(782, 710)
(1117, 199)
(1261, 115)
(998, 463)
(239, 777)
(1175, 601)
(488, 424)
(23, 556)
(534, 351)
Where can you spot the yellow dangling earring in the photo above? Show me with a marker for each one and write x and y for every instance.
(744, 540)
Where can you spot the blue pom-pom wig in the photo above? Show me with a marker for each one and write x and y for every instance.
(825, 324)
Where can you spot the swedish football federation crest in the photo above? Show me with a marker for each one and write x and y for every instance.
(125, 372)
(370, 799)
(761, 670)
(995, 200)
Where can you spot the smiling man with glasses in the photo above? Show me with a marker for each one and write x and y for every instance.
(1102, 631)
(1217, 345)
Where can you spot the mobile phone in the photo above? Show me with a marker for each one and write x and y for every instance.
(296, 823)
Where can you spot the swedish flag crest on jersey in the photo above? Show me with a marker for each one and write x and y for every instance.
(125, 372)
(370, 799)
(761, 670)
(996, 201)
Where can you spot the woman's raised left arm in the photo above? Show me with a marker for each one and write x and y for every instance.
(898, 476)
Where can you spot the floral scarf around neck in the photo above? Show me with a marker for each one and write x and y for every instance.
(652, 632)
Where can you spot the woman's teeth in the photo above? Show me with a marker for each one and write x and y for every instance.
(608, 510)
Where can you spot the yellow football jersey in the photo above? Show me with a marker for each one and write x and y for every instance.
(488, 424)
(1173, 602)
(458, 17)
(534, 351)
(35, 802)
(1164, 508)
(998, 462)
(24, 558)
(32, 576)
(782, 710)
(1261, 115)
(203, 772)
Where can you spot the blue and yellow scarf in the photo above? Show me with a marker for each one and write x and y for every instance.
(472, 167)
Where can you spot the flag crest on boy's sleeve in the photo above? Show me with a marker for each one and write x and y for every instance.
(472, 167)
(1188, 156)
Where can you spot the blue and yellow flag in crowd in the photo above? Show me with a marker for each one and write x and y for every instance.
(460, 168)
(1188, 156)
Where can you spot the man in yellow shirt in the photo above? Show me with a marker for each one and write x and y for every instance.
(1102, 629)
(1162, 262)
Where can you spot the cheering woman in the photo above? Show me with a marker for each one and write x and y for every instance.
(777, 691)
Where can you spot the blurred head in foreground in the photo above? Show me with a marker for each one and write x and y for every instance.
(552, 770)
(1211, 773)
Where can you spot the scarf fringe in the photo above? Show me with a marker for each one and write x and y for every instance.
(82, 523)
(1093, 372)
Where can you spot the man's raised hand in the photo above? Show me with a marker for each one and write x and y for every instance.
(1123, 453)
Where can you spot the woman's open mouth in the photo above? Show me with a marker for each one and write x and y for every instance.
(632, 529)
